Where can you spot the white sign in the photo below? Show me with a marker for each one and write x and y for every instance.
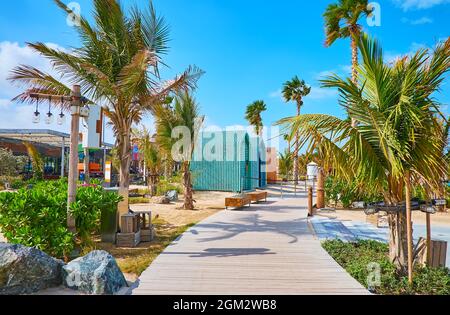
(92, 128)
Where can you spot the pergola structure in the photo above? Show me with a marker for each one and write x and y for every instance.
(48, 137)
(43, 136)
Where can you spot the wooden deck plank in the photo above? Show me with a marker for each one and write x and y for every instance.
(266, 250)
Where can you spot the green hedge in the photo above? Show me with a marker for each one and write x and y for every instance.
(356, 257)
(37, 217)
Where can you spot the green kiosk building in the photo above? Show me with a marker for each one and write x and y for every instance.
(229, 161)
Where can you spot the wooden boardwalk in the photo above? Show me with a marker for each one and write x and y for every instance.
(268, 249)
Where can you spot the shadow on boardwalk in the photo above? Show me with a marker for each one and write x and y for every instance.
(269, 249)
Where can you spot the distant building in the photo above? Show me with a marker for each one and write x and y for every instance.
(229, 161)
(54, 149)
(272, 165)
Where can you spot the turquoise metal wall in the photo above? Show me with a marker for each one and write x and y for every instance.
(234, 170)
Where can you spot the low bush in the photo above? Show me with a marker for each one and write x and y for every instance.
(344, 193)
(357, 257)
(37, 217)
(138, 200)
(164, 186)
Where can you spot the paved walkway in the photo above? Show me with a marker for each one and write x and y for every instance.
(268, 249)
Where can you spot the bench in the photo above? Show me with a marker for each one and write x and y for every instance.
(258, 196)
(237, 202)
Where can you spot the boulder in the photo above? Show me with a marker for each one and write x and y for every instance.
(163, 200)
(172, 195)
(96, 273)
(25, 270)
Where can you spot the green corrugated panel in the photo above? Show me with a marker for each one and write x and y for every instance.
(227, 175)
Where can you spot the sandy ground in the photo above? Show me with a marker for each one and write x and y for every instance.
(207, 204)
(438, 219)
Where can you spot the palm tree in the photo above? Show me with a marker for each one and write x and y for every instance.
(152, 158)
(295, 90)
(342, 21)
(398, 142)
(183, 117)
(253, 115)
(117, 66)
(36, 160)
(285, 164)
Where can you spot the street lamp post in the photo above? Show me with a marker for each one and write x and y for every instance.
(76, 101)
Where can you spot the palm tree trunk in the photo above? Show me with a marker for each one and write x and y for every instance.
(398, 245)
(297, 148)
(125, 163)
(409, 226)
(188, 192)
(354, 67)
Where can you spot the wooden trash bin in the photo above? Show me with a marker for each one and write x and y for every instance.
(130, 234)
(145, 225)
(438, 253)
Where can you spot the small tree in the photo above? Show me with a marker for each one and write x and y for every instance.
(285, 164)
(183, 119)
(36, 160)
(11, 165)
(151, 156)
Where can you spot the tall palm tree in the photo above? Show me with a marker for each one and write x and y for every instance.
(295, 90)
(117, 67)
(151, 156)
(398, 142)
(253, 115)
(185, 115)
(342, 21)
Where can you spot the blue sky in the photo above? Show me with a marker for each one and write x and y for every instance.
(248, 48)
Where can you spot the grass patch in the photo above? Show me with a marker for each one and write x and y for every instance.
(356, 257)
(137, 200)
(136, 260)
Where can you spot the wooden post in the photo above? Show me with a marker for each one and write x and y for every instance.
(409, 226)
(310, 202)
(428, 239)
(73, 159)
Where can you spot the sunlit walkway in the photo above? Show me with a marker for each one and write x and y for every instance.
(267, 249)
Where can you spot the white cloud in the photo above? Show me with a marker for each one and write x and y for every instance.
(318, 93)
(407, 5)
(421, 21)
(391, 56)
(14, 115)
(13, 55)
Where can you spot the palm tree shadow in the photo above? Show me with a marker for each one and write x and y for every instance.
(290, 228)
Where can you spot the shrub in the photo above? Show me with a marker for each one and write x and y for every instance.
(37, 217)
(343, 192)
(355, 258)
(91, 201)
(164, 186)
(11, 165)
(137, 200)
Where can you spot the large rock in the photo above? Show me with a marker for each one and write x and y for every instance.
(162, 200)
(25, 270)
(95, 273)
(172, 195)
